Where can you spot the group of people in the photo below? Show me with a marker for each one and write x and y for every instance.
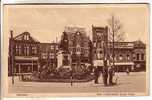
(107, 74)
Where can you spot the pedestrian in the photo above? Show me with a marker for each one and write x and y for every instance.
(127, 71)
(71, 77)
(111, 74)
(105, 73)
(22, 77)
(105, 76)
(96, 74)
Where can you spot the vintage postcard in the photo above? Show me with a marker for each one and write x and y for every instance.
(75, 50)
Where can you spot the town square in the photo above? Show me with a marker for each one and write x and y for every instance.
(99, 49)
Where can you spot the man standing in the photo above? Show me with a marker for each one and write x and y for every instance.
(96, 74)
(111, 73)
(105, 73)
(71, 77)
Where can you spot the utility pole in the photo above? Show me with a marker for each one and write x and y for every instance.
(71, 68)
(48, 55)
(113, 40)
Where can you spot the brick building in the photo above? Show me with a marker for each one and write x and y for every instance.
(23, 54)
(77, 44)
(27, 55)
(139, 56)
(129, 55)
(48, 55)
(123, 55)
(100, 43)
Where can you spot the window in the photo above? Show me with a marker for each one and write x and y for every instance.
(128, 57)
(29, 69)
(137, 56)
(51, 56)
(26, 50)
(52, 47)
(120, 57)
(34, 50)
(26, 37)
(56, 47)
(44, 56)
(18, 50)
(78, 52)
(142, 56)
(86, 53)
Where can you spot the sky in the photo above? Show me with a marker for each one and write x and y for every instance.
(47, 22)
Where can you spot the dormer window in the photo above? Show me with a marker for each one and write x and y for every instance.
(26, 37)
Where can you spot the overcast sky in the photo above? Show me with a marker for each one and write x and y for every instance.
(47, 22)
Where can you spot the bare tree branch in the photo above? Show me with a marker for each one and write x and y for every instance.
(115, 31)
(115, 34)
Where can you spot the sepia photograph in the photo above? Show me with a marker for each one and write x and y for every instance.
(75, 50)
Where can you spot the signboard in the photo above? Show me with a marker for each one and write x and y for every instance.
(98, 63)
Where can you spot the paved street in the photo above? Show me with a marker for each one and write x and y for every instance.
(135, 82)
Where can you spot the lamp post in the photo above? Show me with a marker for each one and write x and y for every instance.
(71, 68)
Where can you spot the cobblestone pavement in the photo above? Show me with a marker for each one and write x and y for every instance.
(135, 82)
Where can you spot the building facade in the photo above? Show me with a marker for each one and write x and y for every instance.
(77, 44)
(100, 43)
(75, 50)
(23, 54)
(139, 56)
(48, 55)
(127, 55)
(123, 55)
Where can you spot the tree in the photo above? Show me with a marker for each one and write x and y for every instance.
(116, 33)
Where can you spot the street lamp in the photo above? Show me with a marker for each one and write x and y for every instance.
(71, 68)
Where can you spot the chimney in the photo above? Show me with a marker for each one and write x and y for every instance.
(11, 32)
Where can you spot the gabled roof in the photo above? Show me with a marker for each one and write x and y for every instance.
(21, 37)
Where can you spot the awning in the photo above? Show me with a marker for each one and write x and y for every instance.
(125, 63)
(25, 58)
